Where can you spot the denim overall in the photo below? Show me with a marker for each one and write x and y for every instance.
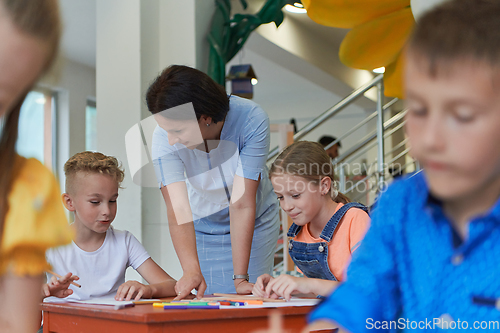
(312, 258)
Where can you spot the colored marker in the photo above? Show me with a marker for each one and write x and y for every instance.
(198, 303)
(189, 302)
(247, 301)
(254, 302)
(203, 307)
(190, 307)
(162, 304)
(237, 303)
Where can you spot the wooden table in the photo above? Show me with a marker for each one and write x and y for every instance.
(79, 318)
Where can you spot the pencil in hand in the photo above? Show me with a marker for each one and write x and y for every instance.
(60, 277)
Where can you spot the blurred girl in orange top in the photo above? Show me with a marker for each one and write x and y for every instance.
(31, 214)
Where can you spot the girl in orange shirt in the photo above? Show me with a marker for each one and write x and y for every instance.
(326, 227)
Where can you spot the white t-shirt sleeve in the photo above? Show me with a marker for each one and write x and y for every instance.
(137, 254)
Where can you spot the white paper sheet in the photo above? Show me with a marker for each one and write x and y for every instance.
(105, 300)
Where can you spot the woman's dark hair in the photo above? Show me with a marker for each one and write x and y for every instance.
(178, 85)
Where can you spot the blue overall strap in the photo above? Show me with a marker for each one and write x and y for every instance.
(294, 230)
(330, 227)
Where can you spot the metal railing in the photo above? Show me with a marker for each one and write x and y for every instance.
(330, 112)
(369, 137)
(377, 137)
(362, 144)
(360, 124)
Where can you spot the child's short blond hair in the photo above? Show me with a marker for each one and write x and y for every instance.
(92, 162)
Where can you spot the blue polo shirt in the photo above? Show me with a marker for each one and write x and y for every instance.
(413, 273)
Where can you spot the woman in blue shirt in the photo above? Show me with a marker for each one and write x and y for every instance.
(209, 152)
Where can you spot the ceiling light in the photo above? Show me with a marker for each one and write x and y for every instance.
(294, 9)
(380, 70)
(40, 100)
(254, 81)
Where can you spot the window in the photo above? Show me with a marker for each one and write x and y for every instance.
(91, 126)
(36, 127)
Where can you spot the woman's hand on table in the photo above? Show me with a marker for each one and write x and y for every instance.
(243, 287)
(188, 282)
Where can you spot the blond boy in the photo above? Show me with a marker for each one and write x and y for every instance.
(100, 254)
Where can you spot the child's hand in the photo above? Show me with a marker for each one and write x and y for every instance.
(259, 289)
(284, 285)
(133, 290)
(59, 287)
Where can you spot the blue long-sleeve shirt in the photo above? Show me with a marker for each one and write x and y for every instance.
(413, 273)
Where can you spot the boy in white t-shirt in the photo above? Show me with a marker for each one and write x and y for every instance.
(100, 254)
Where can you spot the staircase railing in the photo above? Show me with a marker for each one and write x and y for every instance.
(330, 112)
(366, 143)
(376, 138)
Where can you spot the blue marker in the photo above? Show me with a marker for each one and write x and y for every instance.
(237, 303)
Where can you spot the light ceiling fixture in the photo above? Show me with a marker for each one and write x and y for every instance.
(40, 100)
(296, 8)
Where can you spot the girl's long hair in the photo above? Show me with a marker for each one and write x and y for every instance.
(308, 160)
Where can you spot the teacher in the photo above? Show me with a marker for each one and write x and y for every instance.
(209, 152)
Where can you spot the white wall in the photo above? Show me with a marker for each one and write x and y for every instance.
(136, 40)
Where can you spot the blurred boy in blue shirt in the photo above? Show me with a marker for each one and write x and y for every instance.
(431, 259)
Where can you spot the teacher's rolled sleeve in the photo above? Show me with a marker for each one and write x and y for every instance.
(256, 141)
(168, 165)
